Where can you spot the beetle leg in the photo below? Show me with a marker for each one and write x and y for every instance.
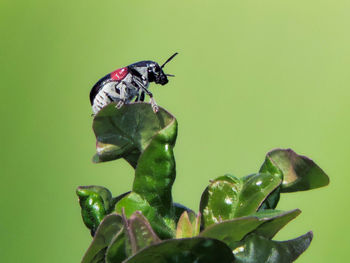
(155, 107)
(153, 102)
(142, 96)
(122, 96)
(144, 90)
(139, 83)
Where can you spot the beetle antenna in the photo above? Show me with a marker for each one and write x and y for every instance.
(170, 75)
(169, 60)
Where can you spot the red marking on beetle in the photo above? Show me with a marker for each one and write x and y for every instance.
(119, 74)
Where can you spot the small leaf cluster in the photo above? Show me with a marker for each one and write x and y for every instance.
(237, 217)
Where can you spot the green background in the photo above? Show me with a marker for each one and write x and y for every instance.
(250, 76)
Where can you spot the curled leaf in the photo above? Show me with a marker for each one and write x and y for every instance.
(255, 248)
(299, 172)
(126, 132)
(265, 223)
(108, 228)
(95, 202)
(144, 139)
(228, 197)
(155, 172)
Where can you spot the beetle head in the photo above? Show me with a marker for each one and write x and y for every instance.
(156, 73)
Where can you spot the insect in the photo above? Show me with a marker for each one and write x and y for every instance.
(128, 83)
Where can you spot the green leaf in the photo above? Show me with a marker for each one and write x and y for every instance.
(116, 199)
(299, 172)
(146, 141)
(179, 209)
(255, 248)
(126, 132)
(155, 172)
(272, 199)
(96, 202)
(108, 228)
(219, 199)
(233, 230)
(116, 251)
(269, 167)
(198, 249)
(134, 202)
(228, 197)
(266, 223)
(256, 188)
(275, 221)
(196, 223)
(184, 227)
(140, 233)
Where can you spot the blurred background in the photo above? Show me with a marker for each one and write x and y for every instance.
(250, 76)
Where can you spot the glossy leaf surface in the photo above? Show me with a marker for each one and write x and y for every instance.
(255, 248)
(198, 249)
(140, 233)
(126, 132)
(146, 140)
(256, 188)
(134, 202)
(266, 223)
(116, 251)
(155, 172)
(108, 228)
(95, 202)
(237, 214)
(228, 197)
(219, 200)
(299, 172)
